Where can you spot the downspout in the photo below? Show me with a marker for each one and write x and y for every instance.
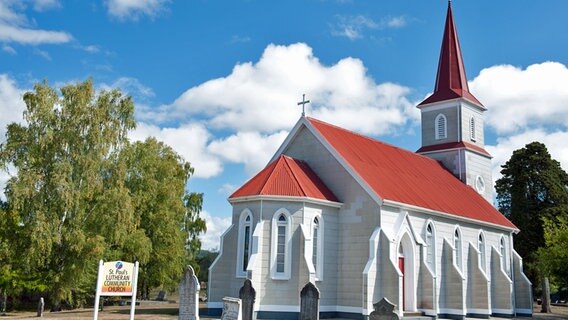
(459, 140)
(512, 268)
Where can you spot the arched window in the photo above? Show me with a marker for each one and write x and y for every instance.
(317, 246)
(244, 243)
(281, 250)
(472, 129)
(503, 251)
(481, 248)
(458, 248)
(441, 127)
(430, 246)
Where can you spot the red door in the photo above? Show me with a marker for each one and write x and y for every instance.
(401, 267)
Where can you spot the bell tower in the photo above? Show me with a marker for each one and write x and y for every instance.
(452, 119)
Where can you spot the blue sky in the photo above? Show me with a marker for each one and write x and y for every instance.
(219, 80)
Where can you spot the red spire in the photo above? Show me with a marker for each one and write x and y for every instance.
(451, 81)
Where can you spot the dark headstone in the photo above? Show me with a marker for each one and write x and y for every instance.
(188, 296)
(309, 302)
(40, 307)
(384, 310)
(162, 295)
(247, 294)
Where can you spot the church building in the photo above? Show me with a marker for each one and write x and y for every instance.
(363, 220)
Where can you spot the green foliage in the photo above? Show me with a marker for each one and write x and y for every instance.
(205, 259)
(553, 258)
(532, 193)
(82, 193)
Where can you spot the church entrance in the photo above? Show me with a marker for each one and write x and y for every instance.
(406, 266)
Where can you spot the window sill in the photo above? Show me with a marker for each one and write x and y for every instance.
(280, 277)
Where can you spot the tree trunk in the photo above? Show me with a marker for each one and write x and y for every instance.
(545, 296)
(4, 302)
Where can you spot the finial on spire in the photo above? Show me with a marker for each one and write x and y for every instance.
(451, 80)
(303, 103)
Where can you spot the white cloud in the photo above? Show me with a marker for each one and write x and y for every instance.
(11, 104)
(517, 99)
(554, 141)
(15, 27)
(42, 5)
(227, 189)
(134, 9)
(210, 240)
(354, 27)
(32, 36)
(130, 86)
(189, 141)
(252, 149)
(42, 53)
(11, 108)
(240, 39)
(396, 22)
(6, 48)
(270, 88)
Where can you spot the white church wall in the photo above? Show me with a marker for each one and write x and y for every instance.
(327, 284)
(479, 166)
(358, 216)
(469, 111)
(224, 283)
(429, 126)
(444, 228)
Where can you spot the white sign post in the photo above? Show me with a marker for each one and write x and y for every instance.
(116, 278)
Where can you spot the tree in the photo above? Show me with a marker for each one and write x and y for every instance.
(533, 190)
(168, 216)
(82, 192)
(60, 155)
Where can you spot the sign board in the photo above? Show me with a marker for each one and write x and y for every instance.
(116, 278)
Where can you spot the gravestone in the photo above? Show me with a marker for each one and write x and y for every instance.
(309, 302)
(247, 294)
(189, 296)
(162, 296)
(231, 309)
(384, 310)
(40, 306)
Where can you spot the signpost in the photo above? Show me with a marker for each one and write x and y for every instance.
(117, 278)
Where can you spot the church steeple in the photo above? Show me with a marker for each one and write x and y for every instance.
(452, 119)
(451, 80)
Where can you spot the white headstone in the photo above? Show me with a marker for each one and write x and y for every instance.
(189, 296)
(231, 309)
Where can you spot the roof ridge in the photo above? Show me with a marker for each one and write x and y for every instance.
(294, 174)
(265, 182)
(370, 138)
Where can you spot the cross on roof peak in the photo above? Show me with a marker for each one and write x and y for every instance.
(303, 103)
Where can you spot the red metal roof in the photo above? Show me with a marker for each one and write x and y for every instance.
(286, 176)
(451, 81)
(454, 145)
(399, 175)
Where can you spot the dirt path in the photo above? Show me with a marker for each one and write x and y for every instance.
(162, 311)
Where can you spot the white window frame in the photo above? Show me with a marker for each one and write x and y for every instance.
(319, 246)
(441, 133)
(243, 224)
(472, 135)
(458, 257)
(430, 246)
(287, 246)
(503, 252)
(481, 247)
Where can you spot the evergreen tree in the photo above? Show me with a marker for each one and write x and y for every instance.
(533, 188)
